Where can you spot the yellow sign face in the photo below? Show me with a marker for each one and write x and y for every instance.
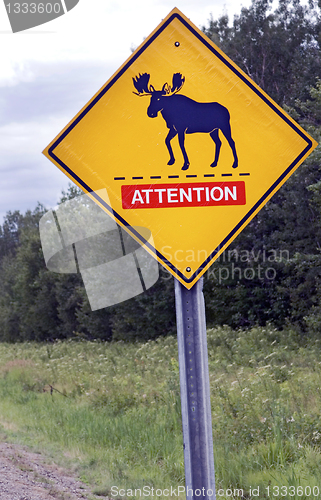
(186, 145)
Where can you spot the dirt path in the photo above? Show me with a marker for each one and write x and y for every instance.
(25, 475)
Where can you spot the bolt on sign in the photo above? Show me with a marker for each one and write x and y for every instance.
(186, 144)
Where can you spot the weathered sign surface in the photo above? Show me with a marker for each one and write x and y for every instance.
(185, 143)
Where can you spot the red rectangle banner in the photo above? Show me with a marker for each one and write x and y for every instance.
(196, 194)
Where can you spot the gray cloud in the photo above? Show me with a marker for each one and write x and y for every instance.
(32, 113)
(59, 88)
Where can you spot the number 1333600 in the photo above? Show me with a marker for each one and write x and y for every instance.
(34, 8)
(291, 491)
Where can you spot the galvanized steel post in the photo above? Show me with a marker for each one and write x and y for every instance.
(195, 392)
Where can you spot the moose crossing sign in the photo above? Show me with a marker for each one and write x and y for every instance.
(185, 144)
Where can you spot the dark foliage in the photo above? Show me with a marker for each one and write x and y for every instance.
(272, 271)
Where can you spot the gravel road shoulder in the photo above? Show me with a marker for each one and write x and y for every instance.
(25, 475)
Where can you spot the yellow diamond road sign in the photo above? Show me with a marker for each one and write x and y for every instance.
(185, 144)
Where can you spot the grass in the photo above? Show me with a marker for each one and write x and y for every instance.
(113, 410)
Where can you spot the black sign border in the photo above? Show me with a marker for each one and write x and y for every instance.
(242, 77)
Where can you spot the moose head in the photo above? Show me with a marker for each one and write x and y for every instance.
(141, 84)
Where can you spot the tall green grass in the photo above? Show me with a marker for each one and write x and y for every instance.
(114, 408)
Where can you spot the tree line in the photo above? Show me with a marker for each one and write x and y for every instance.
(269, 274)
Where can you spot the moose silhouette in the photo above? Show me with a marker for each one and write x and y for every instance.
(185, 116)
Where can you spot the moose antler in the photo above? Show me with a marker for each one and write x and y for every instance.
(141, 85)
(178, 82)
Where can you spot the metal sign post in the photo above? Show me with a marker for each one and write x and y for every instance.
(195, 392)
(194, 209)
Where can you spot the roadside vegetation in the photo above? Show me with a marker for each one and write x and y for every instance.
(113, 410)
(100, 390)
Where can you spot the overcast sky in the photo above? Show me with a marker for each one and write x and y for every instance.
(49, 72)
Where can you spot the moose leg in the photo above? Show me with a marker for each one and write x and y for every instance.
(181, 140)
(218, 144)
(226, 129)
(171, 134)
